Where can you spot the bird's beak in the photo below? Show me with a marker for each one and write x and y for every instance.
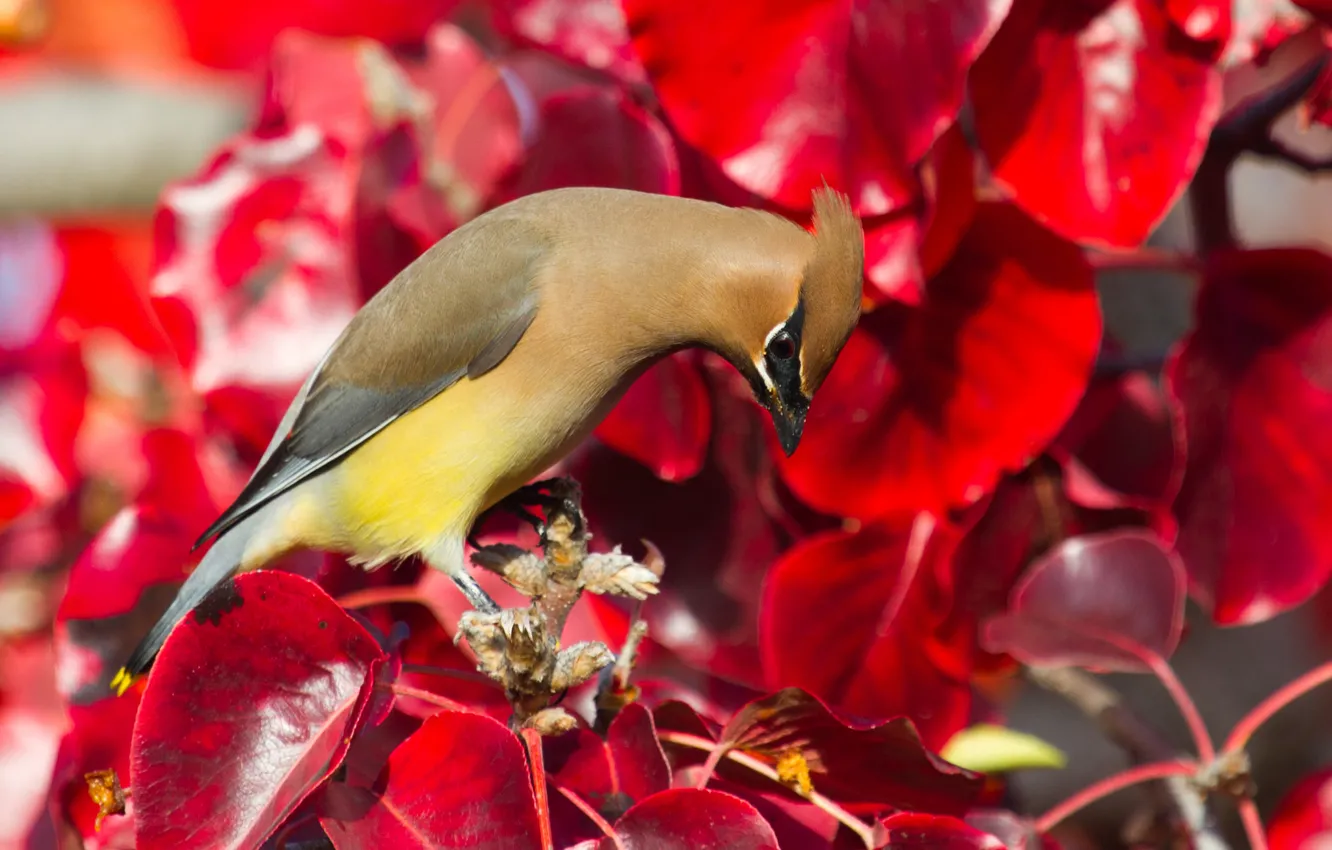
(790, 422)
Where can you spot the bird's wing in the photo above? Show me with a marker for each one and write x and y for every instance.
(455, 312)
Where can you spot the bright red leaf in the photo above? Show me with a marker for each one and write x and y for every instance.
(1254, 381)
(251, 704)
(614, 772)
(927, 406)
(664, 420)
(691, 819)
(1201, 20)
(785, 97)
(1095, 114)
(460, 781)
(1109, 601)
(149, 541)
(216, 39)
(838, 620)
(1303, 818)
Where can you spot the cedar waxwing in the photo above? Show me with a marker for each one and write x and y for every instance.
(502, 346)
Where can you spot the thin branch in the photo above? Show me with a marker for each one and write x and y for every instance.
(537, 762)
(1142, 742)
(426, 697)
(1247, 128)
(850, 821)
(450, 673)
(1110, 785)
(1261, 713)
(1187, 707)
(1253, 824)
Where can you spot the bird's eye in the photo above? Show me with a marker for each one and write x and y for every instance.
(782, 346)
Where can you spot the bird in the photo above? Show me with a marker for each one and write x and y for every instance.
(501, 347)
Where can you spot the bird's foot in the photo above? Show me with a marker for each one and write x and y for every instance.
(551, 495)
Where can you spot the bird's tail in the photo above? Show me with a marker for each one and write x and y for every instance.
(219, 564)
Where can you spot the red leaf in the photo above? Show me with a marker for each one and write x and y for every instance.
(1303, 818)
(251, 705)
(1124, 445)
(664, 420)
(596, 136)
(838, 621)
(785, 97)
(149, 541)
(1253, 380)
(216, 39)
(913, 830)
(691, 819)
(927, 406)
(1095, 115)
(1110, 601)
(853, 762)
(98, 739)
(613, 773)
(460, 781)
(586, 32)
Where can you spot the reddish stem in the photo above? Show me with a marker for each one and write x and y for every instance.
(1243, 731)
(532, 738)
(427, 697)
(592, 814)
(1253, 824)
(1187, 707)
(1111, 784)
(450, 673)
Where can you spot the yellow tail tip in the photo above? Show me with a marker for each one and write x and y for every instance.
(122, 682)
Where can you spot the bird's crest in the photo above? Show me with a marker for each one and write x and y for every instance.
(831, 289)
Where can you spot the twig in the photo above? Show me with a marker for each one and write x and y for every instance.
(532, 739)
(850, 821)
(1253, 824)
(426, 697)
(1247, 128)
(1187, 708)
(1142, 742)
(1261, 713)
(1111, 784)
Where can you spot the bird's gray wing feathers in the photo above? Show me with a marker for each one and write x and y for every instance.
(456, 312)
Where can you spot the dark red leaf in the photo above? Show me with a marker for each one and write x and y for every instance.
(1124, 445)
(613, 773)
(852, 761)
(250, 706)
(914, 831)
(838, 621)
(692, 819)
(1094, 114)
(783, 98)
(216, 39)
(98, 739)
(460, 781)
(596, 136)
(1253, 380)
(664, 420)
(587, 32)
(1303, 818)
(927, 406)
(1109, 601)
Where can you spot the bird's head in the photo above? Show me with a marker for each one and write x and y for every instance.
(795, 355)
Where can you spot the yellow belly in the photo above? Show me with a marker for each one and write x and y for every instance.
(428, 475)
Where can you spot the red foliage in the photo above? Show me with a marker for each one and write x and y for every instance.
(978, 484)
(1253, 381)
(1304, 816)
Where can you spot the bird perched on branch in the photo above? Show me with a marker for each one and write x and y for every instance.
(501, 347)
